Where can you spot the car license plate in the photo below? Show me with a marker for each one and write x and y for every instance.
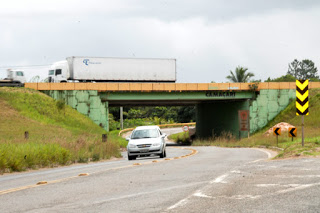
(144, 150)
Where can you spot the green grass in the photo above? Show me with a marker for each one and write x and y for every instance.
(181, 138)
(42, 108)
(18, 157)
(290, 149)
(114, 135)
(58, 134)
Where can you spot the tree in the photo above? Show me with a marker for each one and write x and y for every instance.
(186, 114)
(240, 75)
(284, 78)
(304, 69)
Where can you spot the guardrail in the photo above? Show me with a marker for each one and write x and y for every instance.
(162, 126)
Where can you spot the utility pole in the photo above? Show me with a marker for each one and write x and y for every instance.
(121, 117)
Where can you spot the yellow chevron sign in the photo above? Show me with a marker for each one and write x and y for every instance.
(302, 100)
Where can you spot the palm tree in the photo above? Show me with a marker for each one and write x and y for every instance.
(241, 75)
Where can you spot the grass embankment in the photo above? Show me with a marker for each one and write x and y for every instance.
(290, 148)
(58, 134)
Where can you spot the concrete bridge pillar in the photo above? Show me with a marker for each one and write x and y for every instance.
(219, 117)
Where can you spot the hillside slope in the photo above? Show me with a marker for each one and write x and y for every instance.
(312, 121)
(292, 147)
(58, 134)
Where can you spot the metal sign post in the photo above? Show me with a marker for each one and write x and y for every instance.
(292, 132)
(302, 129)
(277, 132)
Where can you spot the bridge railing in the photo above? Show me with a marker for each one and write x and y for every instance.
(168, 87)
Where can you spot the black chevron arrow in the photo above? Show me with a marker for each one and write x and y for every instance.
(302, 91)
(292, 132)
(302, 113)
(276, 131)
(302, 102)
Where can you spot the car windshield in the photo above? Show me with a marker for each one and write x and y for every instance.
(145, 133)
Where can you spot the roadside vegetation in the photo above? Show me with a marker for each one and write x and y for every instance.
(58, 134)
(181, 138)
(141, 116)
(286, 147)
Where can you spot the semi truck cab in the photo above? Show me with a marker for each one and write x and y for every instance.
(58, 72)
(15, 76)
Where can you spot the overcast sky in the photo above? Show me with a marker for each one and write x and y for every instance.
(207, 37)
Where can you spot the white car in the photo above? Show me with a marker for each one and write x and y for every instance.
(146, 141)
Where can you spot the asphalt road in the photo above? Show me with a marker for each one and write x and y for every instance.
(212, 180)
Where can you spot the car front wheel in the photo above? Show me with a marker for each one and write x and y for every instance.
(131, 157)
(163, 154)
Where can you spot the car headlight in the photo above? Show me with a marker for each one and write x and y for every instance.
(132, 146)
(156, 144)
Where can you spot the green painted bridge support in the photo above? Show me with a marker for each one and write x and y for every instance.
(215, 119)
(268, 104)
(216, 111)
(87, 103)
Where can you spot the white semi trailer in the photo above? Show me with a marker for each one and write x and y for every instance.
(102, 69)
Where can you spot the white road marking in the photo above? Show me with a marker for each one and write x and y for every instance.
(298, 176)
(220, 179)
(179, 204)
(240, 197)
(265, 151)
(267, 185)
(150, 192)
(185, 201)
(255, 161)
(200, 194)
(302, 186)
(307, 161)
(292, 188)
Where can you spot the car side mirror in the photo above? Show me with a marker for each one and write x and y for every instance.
(163, 135)
(128, 138)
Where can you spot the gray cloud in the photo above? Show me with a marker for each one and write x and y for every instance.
(208, 38)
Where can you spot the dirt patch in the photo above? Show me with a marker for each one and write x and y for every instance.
(6, 110)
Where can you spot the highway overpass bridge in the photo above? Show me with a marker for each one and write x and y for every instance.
(217, 104)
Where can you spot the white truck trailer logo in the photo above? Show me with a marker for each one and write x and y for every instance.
(86, 61)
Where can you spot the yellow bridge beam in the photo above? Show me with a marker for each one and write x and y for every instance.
(165, 87)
